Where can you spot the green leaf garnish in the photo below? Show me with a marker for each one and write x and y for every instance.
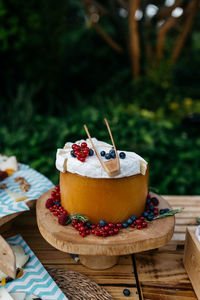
(169, 213)
(78, 217)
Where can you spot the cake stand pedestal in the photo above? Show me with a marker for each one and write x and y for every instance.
(102, 253)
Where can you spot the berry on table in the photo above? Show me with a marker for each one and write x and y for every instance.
(122, 155)
(102, 223)
(133, 217)
(107, 156)
(166, 209)
(103, 153)
(162, 211)
(150, 218)
(151, 207)
(155, 201)
(124, 224)
(62, 219)
(129, 221)
(145, 214)
(126, 292)
(49, 203)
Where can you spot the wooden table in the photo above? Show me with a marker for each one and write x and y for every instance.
(157, 274)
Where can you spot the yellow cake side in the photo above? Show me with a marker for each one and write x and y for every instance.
(113, 199)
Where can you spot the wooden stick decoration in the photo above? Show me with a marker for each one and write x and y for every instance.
(111, 167)
(7, 259)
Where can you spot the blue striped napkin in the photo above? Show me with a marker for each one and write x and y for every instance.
(35, 280)
(39, 184)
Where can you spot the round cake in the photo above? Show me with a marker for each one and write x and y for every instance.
(87, 189)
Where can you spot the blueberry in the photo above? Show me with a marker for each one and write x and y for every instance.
(129, 221)
(151, 207)
(72, 153)
(151, 214)
(148, 201)
(124, 224)
(91, 152)
(126, 292)
(108, 156)
(145, 214)
(57, 203)
(133, 218)
(102, 223)
(122, 155)
(149, 218)
(88, 224)
(162, 211)
(166, 209)
(155, 201)
(103, 153)
(112, 153)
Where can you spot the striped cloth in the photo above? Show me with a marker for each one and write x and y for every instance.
(39, 184)
(35, 280)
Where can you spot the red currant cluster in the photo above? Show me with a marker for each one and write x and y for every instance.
(53, 204)
(86, 228)
(103, 228)
(81, 152)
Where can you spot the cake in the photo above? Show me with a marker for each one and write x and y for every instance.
(86, 188)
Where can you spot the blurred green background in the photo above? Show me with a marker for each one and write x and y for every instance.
(69, 62)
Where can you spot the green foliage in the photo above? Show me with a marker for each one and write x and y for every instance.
(57, 74)
(169, 147)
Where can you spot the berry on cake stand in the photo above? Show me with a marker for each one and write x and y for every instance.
(100, 245)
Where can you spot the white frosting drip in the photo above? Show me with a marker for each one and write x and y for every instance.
(198, 233)
(129, 166)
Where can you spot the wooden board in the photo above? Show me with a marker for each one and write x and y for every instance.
(192, 259)
(67, 239)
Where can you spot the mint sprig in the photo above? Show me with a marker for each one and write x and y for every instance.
(198, 221)
(169, 213)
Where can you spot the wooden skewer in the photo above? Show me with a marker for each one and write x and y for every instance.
(7, 259)
(111, 167)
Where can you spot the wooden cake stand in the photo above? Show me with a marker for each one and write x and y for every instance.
(98, 252)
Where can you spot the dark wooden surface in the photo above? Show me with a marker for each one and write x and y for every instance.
(158, 274)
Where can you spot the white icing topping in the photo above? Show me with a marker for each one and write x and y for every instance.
(133, 163)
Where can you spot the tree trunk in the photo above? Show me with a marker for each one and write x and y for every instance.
(134, 38)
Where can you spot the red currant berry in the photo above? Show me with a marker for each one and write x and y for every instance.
(87, 231)
(106, 228)
(83, 145)
(132, 225)
(142, 218)
(138, 222)
(78, 148)
(111, 225)
(148, 195)
(111, 232)
(144, 224)
(119, 225)
(116, 230)
(155, 211)
(93, 231)
(85, 152)
(82, 159)
(49, 203)
(93, 226)
(82, 234)
(76, 226)
(74, 146)
(139, 227)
